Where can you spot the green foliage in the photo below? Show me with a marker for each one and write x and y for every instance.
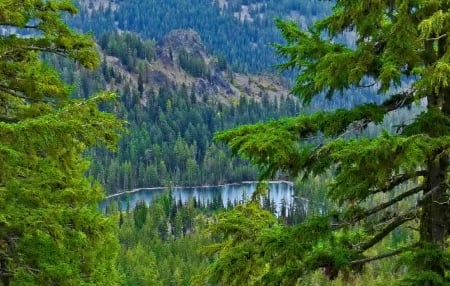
(153, 255)
(273, 145)
(51, 231)
(140, 214)
(128, 47)
(138, 264)
(253, 249)
(169, 138)
(428, 265)
(238, 251)
(391, 182)
(194, 65)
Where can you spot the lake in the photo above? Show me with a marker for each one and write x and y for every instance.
(279, 192)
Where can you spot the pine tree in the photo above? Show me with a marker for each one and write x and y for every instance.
(396, 180)
(51, 229)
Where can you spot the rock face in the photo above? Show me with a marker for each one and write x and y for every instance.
(183, 60)
(188, 40)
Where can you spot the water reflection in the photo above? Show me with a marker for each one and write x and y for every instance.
(279, 192)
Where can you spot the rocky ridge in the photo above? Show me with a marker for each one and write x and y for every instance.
(211, 76)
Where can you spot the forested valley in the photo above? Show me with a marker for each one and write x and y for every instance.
(170, 127)
(348, 100)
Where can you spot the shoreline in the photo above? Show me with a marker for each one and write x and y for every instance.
(195, 187)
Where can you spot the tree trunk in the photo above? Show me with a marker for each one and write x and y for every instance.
(435, 214)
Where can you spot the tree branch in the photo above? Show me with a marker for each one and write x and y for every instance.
(436, 38)
(53, 50)
(399, 100)
(396, 101)
(11, 92)
(383, 255)
(7, 119)
(19, 94)
(19, 27)
(396, 222)
(387, 204)
(399, 179)
(367, 85)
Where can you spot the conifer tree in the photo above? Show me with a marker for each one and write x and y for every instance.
(51, 229)
(397, 180)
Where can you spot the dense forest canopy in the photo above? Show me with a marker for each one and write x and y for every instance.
(51, 230)
(396, 181)
(169, 138)
(170, 128)
(373, 196)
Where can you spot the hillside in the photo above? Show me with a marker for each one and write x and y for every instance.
(181, 59)
(175, 95)
(240, 31)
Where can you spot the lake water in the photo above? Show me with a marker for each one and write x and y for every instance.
(279, 191)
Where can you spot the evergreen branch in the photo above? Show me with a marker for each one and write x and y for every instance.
(436, 38)
(49, 49)
(383, 255)
(273, 146)
(30, 27)
(367, 85)
(396, 101)
(21, 27)
(399, 100)
(32, 270)
(8, 90)
(53, 50)
(7, 119)
(399, 179)
(18, 94)
(396, 222)
(393, 201)
(5, 273)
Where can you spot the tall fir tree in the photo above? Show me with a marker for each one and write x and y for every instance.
(51, 229)
(392, 182)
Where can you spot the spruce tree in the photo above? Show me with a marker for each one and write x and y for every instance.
(394, 181)
(51, 229)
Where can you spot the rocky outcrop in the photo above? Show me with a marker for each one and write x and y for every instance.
(215, 79)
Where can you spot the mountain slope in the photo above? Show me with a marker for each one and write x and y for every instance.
(180, 59)
(174, 95)
(239, 30)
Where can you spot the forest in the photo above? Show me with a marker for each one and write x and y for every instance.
(168, 139)
(363, 134)
(216, 24)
